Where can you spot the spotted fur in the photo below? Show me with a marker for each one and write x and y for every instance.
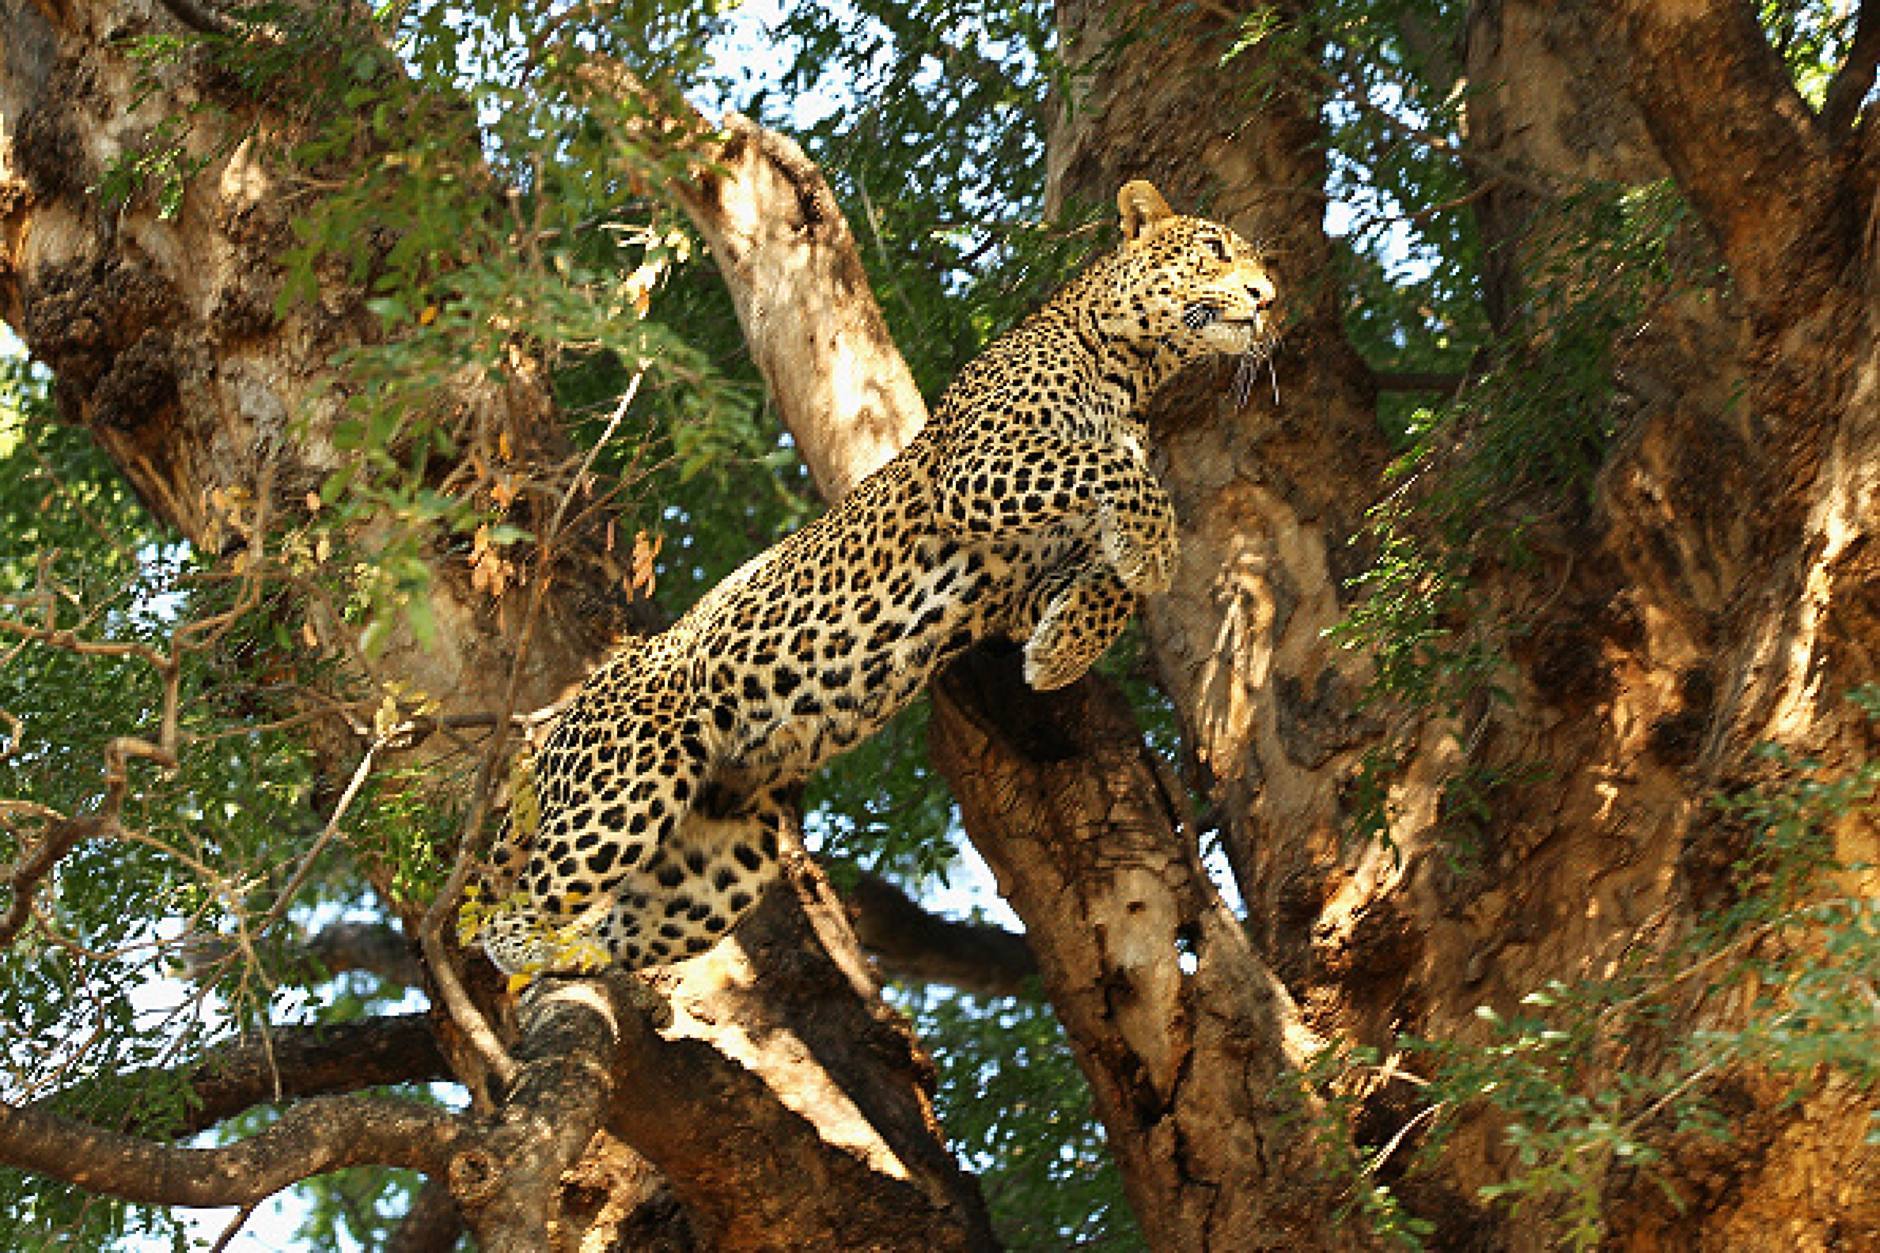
(1025, 509)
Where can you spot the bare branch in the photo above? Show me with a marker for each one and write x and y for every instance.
(926, 948)
(371, 947)
(299, 878)
(323, 1134)
(374, 948)
(36, 862)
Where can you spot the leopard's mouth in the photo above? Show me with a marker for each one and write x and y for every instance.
(1200, 313)
(1251, 344)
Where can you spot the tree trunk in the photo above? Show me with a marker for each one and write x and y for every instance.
(1668, 631)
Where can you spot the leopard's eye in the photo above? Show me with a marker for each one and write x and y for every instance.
(1218, 246)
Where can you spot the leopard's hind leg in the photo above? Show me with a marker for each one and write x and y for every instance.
(704, 877)
(616, 779)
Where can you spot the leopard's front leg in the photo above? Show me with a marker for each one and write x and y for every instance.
(991, 490)
(1070, 620)
(1137, 533)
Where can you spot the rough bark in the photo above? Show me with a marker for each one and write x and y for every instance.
(1755, 162)
(163, 340)
(315, 1136)
(1239, 640)
(1191, 1045)
(1662, 637)
(1674, 629)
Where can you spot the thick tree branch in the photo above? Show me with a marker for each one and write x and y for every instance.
(796, 279)
(315, 1136)
(1854, 79)
(1742, 144)
(374, 948)
(724, 1167)
(506, 1185)
(294, 1062)
(1174, 1017)
(199, 18)
(926, 948)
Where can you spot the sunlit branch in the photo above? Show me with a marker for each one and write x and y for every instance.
(318, 1135)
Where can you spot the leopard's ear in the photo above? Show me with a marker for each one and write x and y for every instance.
(1142, 208)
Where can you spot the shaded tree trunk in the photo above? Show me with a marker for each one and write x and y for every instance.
(1710, 600)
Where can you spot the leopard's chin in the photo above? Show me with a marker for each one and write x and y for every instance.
(1248, 371)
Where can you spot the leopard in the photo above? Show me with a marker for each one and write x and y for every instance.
(1025, 510)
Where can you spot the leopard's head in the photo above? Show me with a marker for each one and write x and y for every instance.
(1185, 284)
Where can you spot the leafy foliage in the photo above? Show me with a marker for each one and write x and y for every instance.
(938, 156)
(84, 992)
(1018, 1113)
(1520, 441)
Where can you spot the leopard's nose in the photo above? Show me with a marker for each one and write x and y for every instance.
(1264, 293)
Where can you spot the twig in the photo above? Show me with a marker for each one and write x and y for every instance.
(450, 987)
(1383, 1154)
(34, 865)
(229, 1232)
(305, 868)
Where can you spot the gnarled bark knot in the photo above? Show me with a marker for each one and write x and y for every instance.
(475, 1176)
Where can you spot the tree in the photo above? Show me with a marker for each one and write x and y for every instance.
(1518, 668)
